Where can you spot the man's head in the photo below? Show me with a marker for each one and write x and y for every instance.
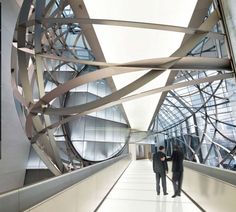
(176, 147)
(162, 148)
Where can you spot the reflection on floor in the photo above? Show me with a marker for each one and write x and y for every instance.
(135, 191)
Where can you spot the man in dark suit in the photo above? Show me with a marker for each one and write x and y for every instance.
(160, 167)
(177, 158)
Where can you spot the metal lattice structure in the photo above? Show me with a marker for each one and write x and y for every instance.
(64, 86)
(200, 117)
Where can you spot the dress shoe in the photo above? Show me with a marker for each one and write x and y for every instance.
(174, 196)
(166, 193)
(158, 193)
(178, 195)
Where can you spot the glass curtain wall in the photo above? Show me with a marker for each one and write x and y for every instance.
(200, 118)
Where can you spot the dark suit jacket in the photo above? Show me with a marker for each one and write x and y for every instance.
(159, 165)
(177, 161)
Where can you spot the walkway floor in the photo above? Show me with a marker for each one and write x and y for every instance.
(135, 192)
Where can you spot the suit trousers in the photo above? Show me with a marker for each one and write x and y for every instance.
(162, 176)
(177, 179)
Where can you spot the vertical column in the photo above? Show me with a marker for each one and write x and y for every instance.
(228, 11)
(147, 151)
(15, 146)
(132, 150)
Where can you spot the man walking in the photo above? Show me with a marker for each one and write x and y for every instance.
(177, 169)
(160, 167)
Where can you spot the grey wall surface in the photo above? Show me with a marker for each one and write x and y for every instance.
(15, 146)
(212, 188)
(36, 175)
(24, 198)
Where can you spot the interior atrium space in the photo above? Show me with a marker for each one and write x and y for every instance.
(92, 90)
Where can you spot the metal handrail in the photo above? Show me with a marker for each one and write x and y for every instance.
(224, 175)
(26, 197)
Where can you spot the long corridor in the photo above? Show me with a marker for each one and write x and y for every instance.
(135, 191)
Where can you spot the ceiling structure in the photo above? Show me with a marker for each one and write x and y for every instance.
(138, 48)
(122, 44)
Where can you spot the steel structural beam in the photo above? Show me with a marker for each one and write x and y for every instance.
(80, 11)
(26, 86)
(108, 72)
(184, 49)
(191, 41)
(183, 63)
(143, 25)
(119, 96)
(91, 107)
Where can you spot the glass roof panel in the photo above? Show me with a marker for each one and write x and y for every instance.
(152, 11)
(125, 44)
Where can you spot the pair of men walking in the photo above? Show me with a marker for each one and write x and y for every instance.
(160, 167)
